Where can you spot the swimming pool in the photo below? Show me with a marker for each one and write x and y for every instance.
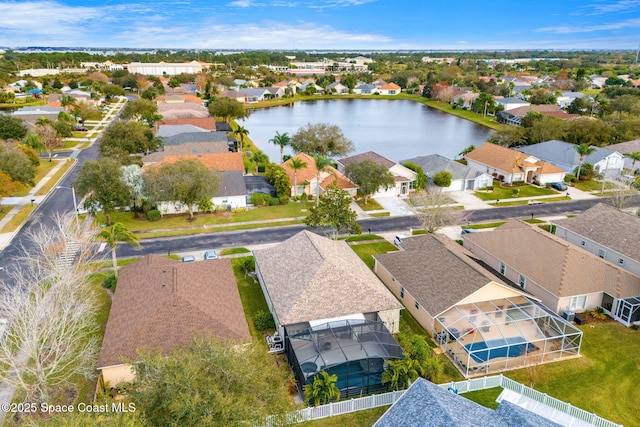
(508, 347)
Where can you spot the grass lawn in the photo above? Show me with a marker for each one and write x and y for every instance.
(500, 193)
(365, 418)
(4, 210)
(362, 237)
(290, 210)
(418, 232)
(366, 250)
(232, 251)
(485, 225)
(20, 217)
(184, 232)
(251, 296)
(379, 214)
(486, 398)
(54, 179)
(41, 172)
(593, 185)
(604, 381)
(534, 221)
(371, 205)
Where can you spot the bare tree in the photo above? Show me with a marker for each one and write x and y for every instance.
(434, 211)
(50, 312)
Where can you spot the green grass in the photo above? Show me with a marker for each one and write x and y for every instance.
(500, 193)
(604, 381)
(178, 232)
(534, 221)
(361, 238)
(486, 398)
(366, 251)
(18, 219)
(371, 205)
(47, 186)
(290, 210)
(232, 251)
(484, 225)
(592, 185)
(379, 214)
(418, 232)
(251, 296)
(365, 418)
(4, 210)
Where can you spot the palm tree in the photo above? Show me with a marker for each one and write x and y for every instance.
(296, 164)
(282, 140)
(583, 150)
(635, 156)
(117, 233)
(241, 132)
(259, 157)
(401, 371)
(322, 164)
(67, 101)
(467, 150)
(322, 390)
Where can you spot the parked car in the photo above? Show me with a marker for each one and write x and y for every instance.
(560, 186)
(188, 258)
(468, 231)
(398, 239)
(81, 128)
(211, 254)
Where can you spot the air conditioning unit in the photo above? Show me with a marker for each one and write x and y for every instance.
(568, 315)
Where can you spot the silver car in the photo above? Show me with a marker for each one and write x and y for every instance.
(188, 258)
(211, 254)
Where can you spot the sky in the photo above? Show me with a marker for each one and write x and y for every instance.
(323, 24)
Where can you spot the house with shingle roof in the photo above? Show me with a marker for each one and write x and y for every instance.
(208, 123)
(332, 311)
(305, 180)
(214, 161)
(626, 148)
(565, 277)
(184, 149)
(184, 137)
(389, 89)
(565, 156)
(463, 177)
(404, 178)
(166, 131)
(427, 404)
(178, 110)
(514, 116)
(510, 166)
(607, 232)
(159, 305)
(482, 324)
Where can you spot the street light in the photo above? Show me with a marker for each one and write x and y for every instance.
(75, 204)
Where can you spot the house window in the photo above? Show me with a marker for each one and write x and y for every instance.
(583, 243)
(522, 281)
(601, 253)
(578, 303)
(417, 305)
(503, 268)
(620, 261)
(401, 292)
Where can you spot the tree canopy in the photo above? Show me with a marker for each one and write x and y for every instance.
(210, 383)
(15, 163)
(12, 127)
(369, 176)
(323, 139)
(186, 181)
(122, 139)
(101, 181)
(228, 109)
(333, 214)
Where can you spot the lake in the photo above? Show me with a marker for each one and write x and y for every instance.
(397, 129)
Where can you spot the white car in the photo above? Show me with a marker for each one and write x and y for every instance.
(211, 254)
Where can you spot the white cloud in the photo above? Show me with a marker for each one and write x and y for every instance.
(614, 7)
(568, 29)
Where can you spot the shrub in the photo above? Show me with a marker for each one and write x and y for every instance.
(238, 210)
(263, 320)
(304, 197)
(598, 313)
(515, 192)
(442, 179)
(570, 178)
(260, 199)
(110, 283)
(153, 215)
(274, 201)
(205, 205)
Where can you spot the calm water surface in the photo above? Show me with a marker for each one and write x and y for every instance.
(397, 129)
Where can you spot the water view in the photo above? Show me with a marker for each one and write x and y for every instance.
(397, 129)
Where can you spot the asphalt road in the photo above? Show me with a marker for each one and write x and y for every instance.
(377, 225)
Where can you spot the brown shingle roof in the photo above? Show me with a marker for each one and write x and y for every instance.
(626, 147)
(369, 155)
(208, 123)
(160, 303)
(216, 161)
(609, 227)
(508, 160)
(558, 266)
(309, 277)
(186, 148)
(310, 172)
(436, 271)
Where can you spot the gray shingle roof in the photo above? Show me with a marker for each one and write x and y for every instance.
(609, 227)
(369, 155)
(425, 404)
(627, 147)
(231, 184)
(563, 154)
(435, 270)
(181, 138)
(309, 277)
(166, 131)
(434, 163)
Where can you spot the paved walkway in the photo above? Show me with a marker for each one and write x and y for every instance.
(396, 206)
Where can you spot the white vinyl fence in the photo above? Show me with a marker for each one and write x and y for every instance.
(475, 384)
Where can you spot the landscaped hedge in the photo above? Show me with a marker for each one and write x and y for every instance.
(153, 215)
(263, 320)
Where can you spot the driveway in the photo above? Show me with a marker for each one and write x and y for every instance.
(395, 205)
(468, 200)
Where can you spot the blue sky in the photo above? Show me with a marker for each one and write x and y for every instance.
(323, 24)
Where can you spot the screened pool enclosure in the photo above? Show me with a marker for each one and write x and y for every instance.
(354, 349)
(509, 333)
